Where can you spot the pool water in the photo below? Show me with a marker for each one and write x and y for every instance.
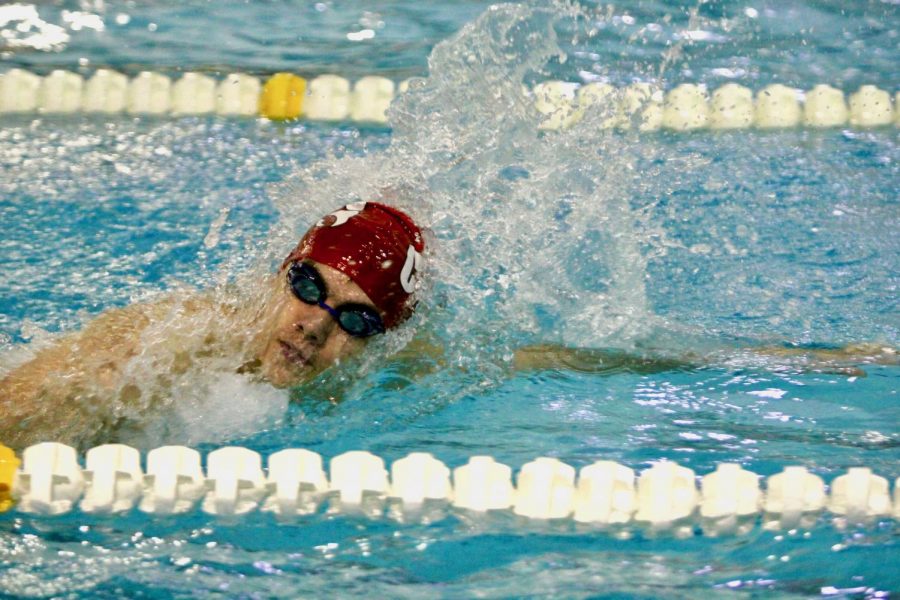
(701, 242)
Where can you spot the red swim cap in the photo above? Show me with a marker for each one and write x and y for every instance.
(375, 245)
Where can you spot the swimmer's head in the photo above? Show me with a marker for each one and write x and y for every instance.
(377, 246)
(352, 276)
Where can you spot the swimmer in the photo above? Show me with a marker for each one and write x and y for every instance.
(352, 277)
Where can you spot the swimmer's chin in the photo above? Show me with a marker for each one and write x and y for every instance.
(277, 377)
(279, 373)
(286, 374)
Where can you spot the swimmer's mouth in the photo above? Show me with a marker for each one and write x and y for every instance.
(293, 355)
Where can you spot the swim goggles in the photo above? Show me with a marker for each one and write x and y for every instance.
(356, 319)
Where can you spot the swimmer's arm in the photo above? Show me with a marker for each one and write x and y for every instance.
(422, 356)
(54, 396)
(595, 360)
(69, 389)
(839, 361)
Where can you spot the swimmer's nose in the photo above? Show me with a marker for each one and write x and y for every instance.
(315, 325)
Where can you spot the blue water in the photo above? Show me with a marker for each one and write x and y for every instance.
(727, 239)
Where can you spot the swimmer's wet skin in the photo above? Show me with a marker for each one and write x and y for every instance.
(351, 277)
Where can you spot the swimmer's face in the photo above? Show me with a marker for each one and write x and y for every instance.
(303, 339)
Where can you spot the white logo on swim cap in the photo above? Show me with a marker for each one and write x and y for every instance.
(413, 261)
(343, 215)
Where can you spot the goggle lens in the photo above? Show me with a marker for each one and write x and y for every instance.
(307, 290)
(354, 323)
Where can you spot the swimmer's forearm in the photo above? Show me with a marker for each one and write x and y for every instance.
(839, 361)
(593, 360)
(845, 360)
(878, 354)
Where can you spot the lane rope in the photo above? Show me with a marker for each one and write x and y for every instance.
(286, 96)
(50, 480)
